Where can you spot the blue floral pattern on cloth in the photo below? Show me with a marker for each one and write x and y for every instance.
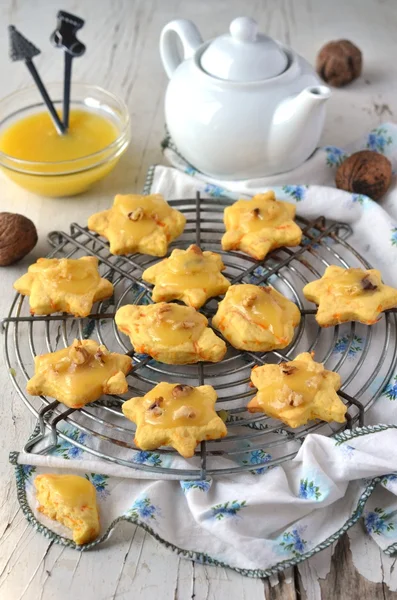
(202, 485)
(308, 490)
(257, 457)
(147, 458)
(143, 509)
(293, 543)
(228, 509)
(390, 391)
(27, 472)
(346, 450)
(334, 156)
(393, 236)
(214, 191)
(100, 482)
(260, 272)
(342, 343)
(389, 481)
(379, 139)
(68, 450)
(378, 521)
(297, 192)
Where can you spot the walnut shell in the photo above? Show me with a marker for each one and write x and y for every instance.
(366, 172)
(339, 62)
(18, 236)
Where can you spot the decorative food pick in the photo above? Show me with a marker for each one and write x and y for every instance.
(259, 225)
(175, 415)
(22, 49)
(191, 276)
(144, 224)
(350, 295)
(256, 318)
(297, 391)
(170, 333)
(65, 37)
(71, 500)
(64, 285)
(79, 374)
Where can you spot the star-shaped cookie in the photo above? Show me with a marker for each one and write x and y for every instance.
(144, 224)
(71, 500)
(170, 333)
(175, 415)
(256, 318)
(350, 295)
(79, 374)
(297, 391)
(191, 276)
(64, 285)
(259, 225)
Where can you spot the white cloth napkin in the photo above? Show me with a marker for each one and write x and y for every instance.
(264, 520)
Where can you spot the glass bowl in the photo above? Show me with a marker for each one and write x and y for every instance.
(64, 177)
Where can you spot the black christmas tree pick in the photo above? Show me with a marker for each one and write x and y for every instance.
(22, 49)
(65, 37)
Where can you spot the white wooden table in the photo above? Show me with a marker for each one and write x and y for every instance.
(122, 41)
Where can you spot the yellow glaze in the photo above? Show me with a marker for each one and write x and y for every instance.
(297, 391)
(144, 224)
(65, 284)
(191, 276)
(259, 225)
(171, 333)
(80, 373)
(350, 295)
(256, 318)
(177, 415)
(71, 500)
(34, 138)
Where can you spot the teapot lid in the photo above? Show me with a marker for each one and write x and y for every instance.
(244, 54)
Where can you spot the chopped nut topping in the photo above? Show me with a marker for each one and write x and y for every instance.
(184, 412)
(62, 365)
(367, 284)
(155, 407)
(249, 301)
(295, 399)
(194, 248)
(256, 213)
(288, 369)
(137, 214)
(181, 390)
(78, 354)
(165, 308)
(155, 217)
(100, 354)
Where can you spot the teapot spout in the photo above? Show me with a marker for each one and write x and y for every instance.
(298, 122)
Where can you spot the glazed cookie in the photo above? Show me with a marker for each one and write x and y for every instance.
(297, 391)
(71, 500)
(191, 276)
(350, 295)
(79, 374)
(175, 415)
(170, 333)
(144, 224)
(259, 225)
(64, 285)
(256, 318)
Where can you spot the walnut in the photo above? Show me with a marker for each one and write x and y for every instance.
(184, 412)
(365, 172)
(288, 369)
(184, 325)
(137, 214)
(249, 301)
(77, 354)
(181, 390)
(155, 407)
(339, 62)
(367, 284)
(194, 248)
(18, 236)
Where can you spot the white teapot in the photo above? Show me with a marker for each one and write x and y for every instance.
(242, 105)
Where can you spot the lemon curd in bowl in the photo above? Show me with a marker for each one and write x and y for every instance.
(37, 158)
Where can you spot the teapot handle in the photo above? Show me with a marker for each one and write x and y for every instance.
(189, 37)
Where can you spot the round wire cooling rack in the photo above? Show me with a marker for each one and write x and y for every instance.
(364, 356)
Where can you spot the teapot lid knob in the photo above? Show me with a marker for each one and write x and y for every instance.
(244, 29)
